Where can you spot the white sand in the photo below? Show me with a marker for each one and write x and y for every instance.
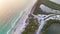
(6, 5)
(21, 24)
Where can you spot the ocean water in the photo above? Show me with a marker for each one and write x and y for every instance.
(6, 24)
(9, 18)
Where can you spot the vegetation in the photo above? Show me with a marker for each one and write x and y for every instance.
(49, 22)
(38, 10)
(41, 12)
(51, 4)
(47, 3)
(31, 27)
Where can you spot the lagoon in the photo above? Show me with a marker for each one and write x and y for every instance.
(53, 29)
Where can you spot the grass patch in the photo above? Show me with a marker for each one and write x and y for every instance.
(41, 12)
(51, 4)
(38, 10)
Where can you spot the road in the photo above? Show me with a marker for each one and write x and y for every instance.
(42, 20)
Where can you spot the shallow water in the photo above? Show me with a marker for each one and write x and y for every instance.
(6, 24)
(8, 20)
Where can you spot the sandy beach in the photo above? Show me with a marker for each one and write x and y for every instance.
(13, 14)
(19, 28)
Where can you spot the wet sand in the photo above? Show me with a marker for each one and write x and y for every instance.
(19, 28)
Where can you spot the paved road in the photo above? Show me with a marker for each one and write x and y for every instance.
(42, 20)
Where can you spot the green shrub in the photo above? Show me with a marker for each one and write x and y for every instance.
(48, 23)
(31, 27)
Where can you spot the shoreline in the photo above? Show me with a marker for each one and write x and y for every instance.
(19, 28)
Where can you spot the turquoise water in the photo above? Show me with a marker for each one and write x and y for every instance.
(7, 24)
(53, 29)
